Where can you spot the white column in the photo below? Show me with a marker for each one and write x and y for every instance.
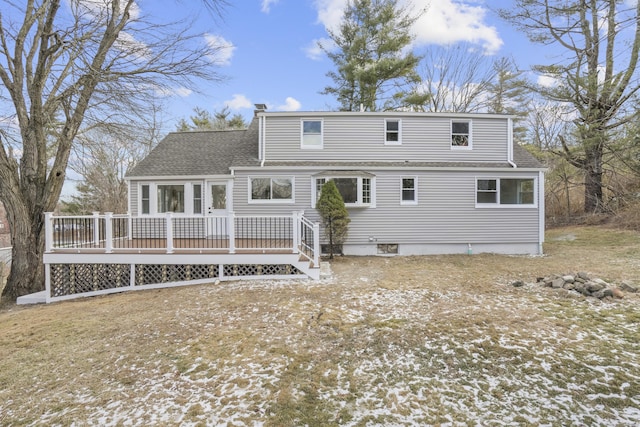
(48, 230)
(231, 228)
(316, 245)
(96, 229)
(169, 225)
(108, 232)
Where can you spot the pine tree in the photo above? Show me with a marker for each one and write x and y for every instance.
(335, 217)
(374, 71)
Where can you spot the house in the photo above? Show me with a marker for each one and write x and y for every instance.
(413, 183)
(224, 205)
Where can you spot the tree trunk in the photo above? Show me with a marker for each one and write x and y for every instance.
(593, 196)
(27, 269)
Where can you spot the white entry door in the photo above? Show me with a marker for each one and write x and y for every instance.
(217, 208)
(217, 198)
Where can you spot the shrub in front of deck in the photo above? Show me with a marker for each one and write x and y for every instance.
(335, 217)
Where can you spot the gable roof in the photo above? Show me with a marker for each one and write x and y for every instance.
(200, 153)
(523, 159)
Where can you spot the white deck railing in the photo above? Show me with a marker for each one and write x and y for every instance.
(108, 233)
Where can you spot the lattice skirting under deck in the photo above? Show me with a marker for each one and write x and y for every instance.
(68, 280)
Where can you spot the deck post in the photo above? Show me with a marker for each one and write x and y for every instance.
(96, 229)
(129, 226)
(169, 227)
(108, 233)
(231, 227)
(48, 230)
(297, 216)
(316, 244)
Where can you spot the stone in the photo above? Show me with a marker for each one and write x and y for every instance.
(594, 286)
(580, 280)
(568, 278)
(608, 292)
(517, 284)
(568, 286)
(557, 283)
(628, 287)
(578, 287)
(598, 294)
(617, 293)
(600, 282)
(584, 276)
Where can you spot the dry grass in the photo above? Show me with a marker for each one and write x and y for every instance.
(403, 341)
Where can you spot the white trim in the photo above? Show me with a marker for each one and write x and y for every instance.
(406, 166)
(358, 204)
(399, 141)
(292, 200)
(311, 147)
(153, 197)
(184, 178)
(497, 204)
(413, 202)
(510, 143)
(383, 114)
(458, 147)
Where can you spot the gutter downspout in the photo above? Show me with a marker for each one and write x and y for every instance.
(510, 143)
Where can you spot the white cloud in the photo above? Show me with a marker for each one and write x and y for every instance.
(314, 52)
(266, 5)
(223, 49)
(238, 102)
(127, 43)
(444, 22)
(547, 81)
(290, 104)
(448, 21)
(100, 8)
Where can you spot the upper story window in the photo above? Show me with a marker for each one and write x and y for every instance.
(461, 134)
(311, 134)
(409, 191)
(392, 134)
(355, 190)
(504, 191)
(267, 189)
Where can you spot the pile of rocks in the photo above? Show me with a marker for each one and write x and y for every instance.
(586, 285)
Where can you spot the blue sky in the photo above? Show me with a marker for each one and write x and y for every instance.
(272, 58)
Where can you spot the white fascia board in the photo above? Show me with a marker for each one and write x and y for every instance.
(389, 168)
(177, 177)
(304, 114)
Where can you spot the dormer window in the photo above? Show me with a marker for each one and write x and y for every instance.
(461, 134)
(392, 134)
(311, 134)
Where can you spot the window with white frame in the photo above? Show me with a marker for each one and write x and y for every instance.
(277, 189)
(355, 190)
(182, 198)
(506, 191)
(170, 198)
(409, 191)
(461, 134)
(145, 199)
(311, 134)
(392, 134)
(197, 198)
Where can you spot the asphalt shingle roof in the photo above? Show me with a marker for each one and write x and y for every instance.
(198, 153)
(524, 159)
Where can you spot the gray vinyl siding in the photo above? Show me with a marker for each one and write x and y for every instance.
(133, 197)
(445, 213)
(361, 138)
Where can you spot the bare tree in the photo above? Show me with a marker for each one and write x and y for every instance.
(457, 79)
(68, 64)
(600, 42)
